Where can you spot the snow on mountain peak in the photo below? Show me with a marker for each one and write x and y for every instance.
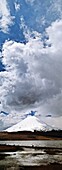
(30, 123)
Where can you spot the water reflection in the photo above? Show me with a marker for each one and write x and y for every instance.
(38, 143)
(31, 156)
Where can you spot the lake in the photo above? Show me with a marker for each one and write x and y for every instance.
(42, 153)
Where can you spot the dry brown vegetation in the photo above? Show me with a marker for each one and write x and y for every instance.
(27, 135)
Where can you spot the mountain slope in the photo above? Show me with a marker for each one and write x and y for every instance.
(30, 123)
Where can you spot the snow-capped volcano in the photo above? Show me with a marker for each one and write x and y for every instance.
(30, 123)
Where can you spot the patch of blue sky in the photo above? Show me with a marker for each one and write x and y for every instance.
(2, 67)
(3, 37)
(37, 17)
(41, 9)
(34, 14)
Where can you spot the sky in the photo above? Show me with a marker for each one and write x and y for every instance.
(30, 61)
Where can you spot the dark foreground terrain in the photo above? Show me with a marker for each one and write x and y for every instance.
(48, 167)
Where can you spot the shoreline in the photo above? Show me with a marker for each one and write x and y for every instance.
(14, 148)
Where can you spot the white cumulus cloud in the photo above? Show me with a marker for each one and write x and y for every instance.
(32, 79)
(17, 6)
(5, 17)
